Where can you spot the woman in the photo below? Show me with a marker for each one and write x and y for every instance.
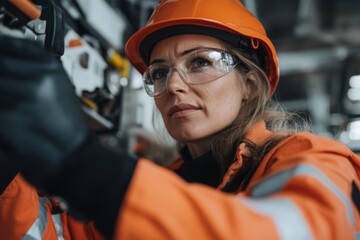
(248, 175)
(188, 70)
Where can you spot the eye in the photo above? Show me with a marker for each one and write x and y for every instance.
(159, 74)
(199, 62)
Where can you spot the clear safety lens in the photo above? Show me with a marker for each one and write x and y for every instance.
(197, 67)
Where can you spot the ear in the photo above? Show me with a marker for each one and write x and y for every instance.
(250, 86)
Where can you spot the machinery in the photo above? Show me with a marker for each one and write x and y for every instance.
(89, 52)
(88, 38)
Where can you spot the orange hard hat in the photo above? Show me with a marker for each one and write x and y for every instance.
(227, 20)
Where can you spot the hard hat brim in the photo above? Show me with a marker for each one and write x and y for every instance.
(139, 46)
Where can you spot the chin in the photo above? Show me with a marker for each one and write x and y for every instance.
(188, 137)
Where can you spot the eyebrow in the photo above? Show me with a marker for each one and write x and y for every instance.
(160, 60)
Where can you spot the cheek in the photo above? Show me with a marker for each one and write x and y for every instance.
(226, 99)
(160, 105)
(226, 106)
(223, 105)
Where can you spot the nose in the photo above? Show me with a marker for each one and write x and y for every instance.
(176, 82)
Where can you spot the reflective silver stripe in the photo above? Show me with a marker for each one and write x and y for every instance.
(277, 181)
(58, 226)
(357, 236)
(37, 229)
(287, 218)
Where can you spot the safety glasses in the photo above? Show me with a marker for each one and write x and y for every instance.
(196, 67)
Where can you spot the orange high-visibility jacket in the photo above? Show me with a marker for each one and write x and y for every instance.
(26, 215)
(305, 188)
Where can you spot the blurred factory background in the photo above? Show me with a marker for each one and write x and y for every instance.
(318, 44)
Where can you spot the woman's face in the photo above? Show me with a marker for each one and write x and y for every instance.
(194, 113)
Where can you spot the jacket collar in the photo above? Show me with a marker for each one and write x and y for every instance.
(206, 170)
(257, 135)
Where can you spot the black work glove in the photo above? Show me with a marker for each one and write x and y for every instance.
(41, 121)
(44, 132)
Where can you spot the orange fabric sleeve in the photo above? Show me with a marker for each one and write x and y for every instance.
(161, 205)
(19, 206)
(18, 209)
(80, 231)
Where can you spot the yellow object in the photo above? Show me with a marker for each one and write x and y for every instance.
(88, 102)
(119, 62)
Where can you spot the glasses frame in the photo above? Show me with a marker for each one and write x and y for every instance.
(231, 60)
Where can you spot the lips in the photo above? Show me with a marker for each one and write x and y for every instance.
(181, 108)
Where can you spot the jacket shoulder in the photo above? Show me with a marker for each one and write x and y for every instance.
(307, 148)
(305, 142)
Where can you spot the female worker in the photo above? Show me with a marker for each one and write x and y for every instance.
(244, 173)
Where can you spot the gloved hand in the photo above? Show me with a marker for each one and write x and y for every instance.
(43, 132)
(41, 120)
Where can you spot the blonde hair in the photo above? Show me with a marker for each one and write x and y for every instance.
(259, 107)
